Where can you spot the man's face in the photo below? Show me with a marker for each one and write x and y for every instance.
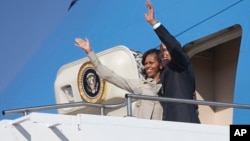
(165, 56)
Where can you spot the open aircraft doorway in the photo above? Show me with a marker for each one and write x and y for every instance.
(215, 59)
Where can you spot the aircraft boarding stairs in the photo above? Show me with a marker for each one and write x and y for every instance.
(44, 126)
(103, 112)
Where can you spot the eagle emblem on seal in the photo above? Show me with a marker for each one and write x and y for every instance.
(90, 85)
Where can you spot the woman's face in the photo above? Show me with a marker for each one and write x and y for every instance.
(152, 66)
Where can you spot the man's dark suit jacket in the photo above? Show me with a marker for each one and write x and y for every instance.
(178, 81)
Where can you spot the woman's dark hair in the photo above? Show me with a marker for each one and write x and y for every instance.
(151, 51)
(148, 52)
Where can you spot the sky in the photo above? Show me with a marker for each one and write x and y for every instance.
(37, 38)
(24, 27)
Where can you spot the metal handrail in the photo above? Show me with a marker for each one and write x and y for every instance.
(27, 110)
(130, 99)
(177, 100)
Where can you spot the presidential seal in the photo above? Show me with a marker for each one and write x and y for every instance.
(90, 85)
